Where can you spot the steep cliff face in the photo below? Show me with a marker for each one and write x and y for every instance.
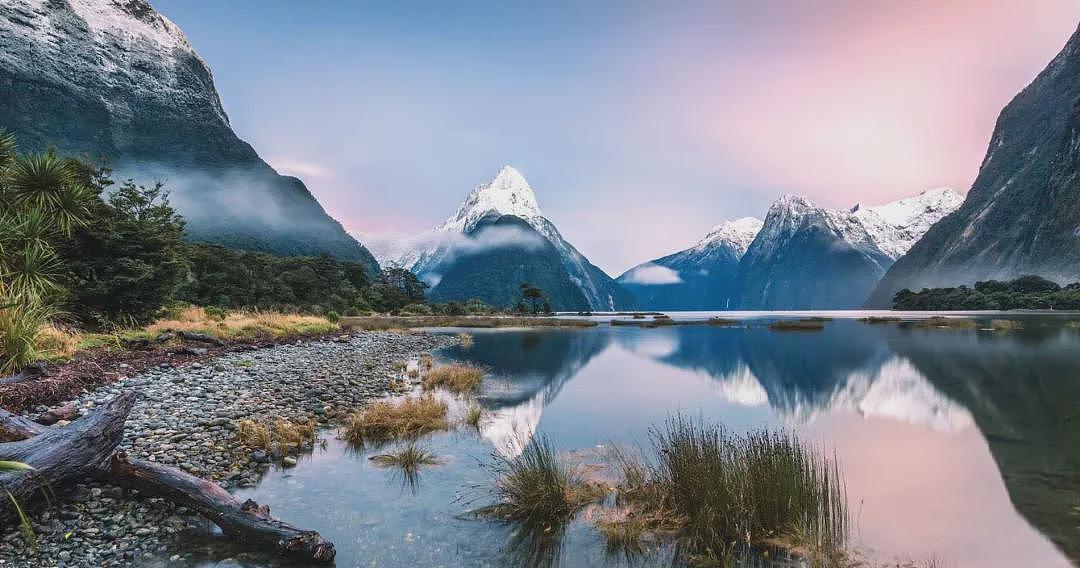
(701, 277)
(115, 80)
(1022, 215)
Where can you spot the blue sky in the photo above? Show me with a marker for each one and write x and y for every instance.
(639, 124)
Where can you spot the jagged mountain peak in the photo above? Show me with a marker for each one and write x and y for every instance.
(738, 233)
(508, 193)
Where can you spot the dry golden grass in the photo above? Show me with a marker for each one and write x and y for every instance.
(241, 324)
(276, 435)
(466, 340)
(385, 420)
(409, 458)
(57, 343)
(455, 378)
(941, 322)
(427, 361)
(475, 416)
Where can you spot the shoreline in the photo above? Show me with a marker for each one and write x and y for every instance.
(185, 416)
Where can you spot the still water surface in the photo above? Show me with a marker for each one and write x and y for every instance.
(958, 444)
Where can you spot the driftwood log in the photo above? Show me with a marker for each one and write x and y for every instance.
(247, 522)
(87, 448)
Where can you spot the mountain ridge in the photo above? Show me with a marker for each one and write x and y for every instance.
(119, 81)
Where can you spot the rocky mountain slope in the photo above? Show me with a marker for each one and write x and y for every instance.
(701, 277)
(114, 79)
(1022, 215)
(472, 236)
(810, 257)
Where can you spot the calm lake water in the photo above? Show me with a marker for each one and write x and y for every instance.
(960, 444)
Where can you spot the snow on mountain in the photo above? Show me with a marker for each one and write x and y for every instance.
(116, 80)
(891, 228)
(507, 194)
(700, 277)
(807, 256)
(897, 225)
(737, 235)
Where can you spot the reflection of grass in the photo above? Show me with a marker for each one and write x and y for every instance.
(722, 495)
(798, 325)
(466, 340)
(455, 378)
(384, 420)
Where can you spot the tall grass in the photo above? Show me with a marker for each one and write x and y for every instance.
(408, 458)
(385, 420)
(723, 495)
(20, 331)
(455, 378)
(538, 490)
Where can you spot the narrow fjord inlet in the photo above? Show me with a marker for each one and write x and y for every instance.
(277, 289)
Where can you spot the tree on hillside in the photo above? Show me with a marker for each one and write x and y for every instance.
(43, 198)
(534, 298)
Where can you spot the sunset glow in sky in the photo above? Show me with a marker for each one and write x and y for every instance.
(668, 117)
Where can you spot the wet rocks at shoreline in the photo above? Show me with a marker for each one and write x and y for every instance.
(186, 417)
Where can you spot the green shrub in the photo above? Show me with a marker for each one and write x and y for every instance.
(333, 316)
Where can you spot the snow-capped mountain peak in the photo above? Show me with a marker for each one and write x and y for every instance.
(897, 225)
(738, 234)
(507, 194)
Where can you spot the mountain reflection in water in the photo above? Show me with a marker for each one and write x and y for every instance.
(1019, 390)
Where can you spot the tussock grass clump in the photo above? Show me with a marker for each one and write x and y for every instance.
(798, 325)
(240, 324)
(277, 436)
(408, 458)
(455, 378)
(941, 322)
(539, 490)
(20, 330)
(466, 340)
(1004, 325)
(427, 361)
(722, 495)
(385, 420)
(475, 415)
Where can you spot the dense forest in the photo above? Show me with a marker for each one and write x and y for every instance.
(79, 248)
(1024, 293)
